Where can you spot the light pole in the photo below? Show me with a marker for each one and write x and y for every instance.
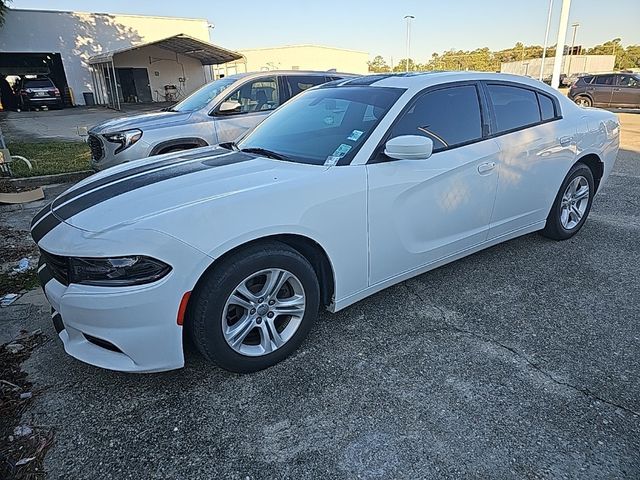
(408, 18)
(573, 42)
(562, 34)
(546, 39)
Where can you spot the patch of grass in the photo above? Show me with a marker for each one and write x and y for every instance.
(48, 158)
(14, 283)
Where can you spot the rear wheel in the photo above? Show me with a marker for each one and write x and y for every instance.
(583, 101)
(255, 308)
(572, 204)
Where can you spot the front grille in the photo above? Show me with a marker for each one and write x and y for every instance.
(59, 266)
(95, 145)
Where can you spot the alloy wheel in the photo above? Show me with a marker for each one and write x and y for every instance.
(263, 312)
(574, 202)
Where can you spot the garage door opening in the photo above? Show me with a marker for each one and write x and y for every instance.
(14, 66)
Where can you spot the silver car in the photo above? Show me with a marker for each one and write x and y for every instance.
(218, 112)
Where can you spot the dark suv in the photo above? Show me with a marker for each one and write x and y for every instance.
(38, 92)
(607, 90)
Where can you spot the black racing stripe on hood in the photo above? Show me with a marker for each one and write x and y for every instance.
(147, 167)
(47, 224)
(103, 194)
(41, 214)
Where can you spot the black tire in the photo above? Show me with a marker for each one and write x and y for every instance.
(206, 307)
(584, 101)
(554, 228)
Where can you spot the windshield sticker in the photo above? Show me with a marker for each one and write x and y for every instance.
(341, 151)
(331, 161)
(355, 135)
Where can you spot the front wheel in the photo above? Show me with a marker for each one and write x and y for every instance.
(255, 308)
(572, 204)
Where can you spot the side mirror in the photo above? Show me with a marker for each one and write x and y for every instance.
(409, 147)
(229, 107)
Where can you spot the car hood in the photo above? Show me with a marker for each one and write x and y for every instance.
(142, 121)
(156, 186)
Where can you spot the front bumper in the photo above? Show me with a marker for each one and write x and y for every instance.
(103, 154)
(141, 321)
(130, 329)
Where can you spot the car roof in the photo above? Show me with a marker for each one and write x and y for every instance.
(420, 80)
(239, 76)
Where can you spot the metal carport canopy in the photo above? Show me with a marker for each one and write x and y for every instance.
(205, 52)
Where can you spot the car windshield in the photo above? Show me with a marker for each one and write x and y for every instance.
(201, 97)
(326, 125)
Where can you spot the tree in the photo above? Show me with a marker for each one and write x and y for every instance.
(4, 6)
(402, 65)
(378, 65)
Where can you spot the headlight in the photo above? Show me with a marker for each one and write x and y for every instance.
(116, 272)
(125, 139)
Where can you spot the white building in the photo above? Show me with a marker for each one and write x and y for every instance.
(82, 51)
(306, 57)
(571, 64)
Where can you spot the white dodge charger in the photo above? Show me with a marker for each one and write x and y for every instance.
(347, 189)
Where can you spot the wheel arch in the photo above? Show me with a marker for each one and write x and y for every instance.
(596, 165)
(305, 246)
(188, 142)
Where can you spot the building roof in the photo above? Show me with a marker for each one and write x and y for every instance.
(207, 53)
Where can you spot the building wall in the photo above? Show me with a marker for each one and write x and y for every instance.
(168, 67)
(577, 64)
(78, 36)
(306, 57)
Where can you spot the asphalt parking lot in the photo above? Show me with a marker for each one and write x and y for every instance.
(521, 361)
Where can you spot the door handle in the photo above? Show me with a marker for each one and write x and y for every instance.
(565, 141)
(486, 167)
(616, 89)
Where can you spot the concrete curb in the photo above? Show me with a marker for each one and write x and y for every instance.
(32, 182)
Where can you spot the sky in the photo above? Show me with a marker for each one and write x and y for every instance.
(377, 26)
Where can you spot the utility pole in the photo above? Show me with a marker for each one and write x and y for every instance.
(562, 35)
(546, 39)
(573, 42)
(408, 18)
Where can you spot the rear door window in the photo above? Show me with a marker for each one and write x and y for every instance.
(449, 117)
(299, 83)
(605, 80)
(514, 107)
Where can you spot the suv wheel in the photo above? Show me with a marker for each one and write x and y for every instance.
(583, 101)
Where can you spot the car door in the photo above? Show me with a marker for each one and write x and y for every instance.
(536, 151)
(626, 92)
(601, 89)
(421, 211)
(254, 100)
